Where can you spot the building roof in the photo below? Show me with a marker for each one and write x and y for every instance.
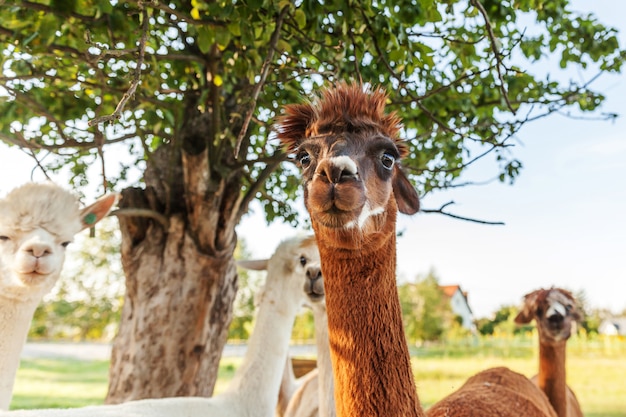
(450, 290)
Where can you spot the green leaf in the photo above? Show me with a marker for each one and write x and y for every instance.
(300, 18)
(48, 27)
(234, 28)
(222, 37)
(206, 38)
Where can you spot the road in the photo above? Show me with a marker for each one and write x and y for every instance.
(102, 351)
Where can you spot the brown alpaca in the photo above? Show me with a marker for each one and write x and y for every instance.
(349, 151)
(494, 392)
(555, 311)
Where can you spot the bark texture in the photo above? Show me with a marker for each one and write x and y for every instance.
(180, 275)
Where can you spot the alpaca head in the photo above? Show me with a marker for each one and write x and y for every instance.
(555, 310)
(37, 222)
(349, 151)
(294, 261)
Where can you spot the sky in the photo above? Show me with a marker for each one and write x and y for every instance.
(564, 216)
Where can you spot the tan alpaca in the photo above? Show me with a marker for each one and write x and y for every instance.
(37, 222)
(314, 396)
(349, 151)
(555, 311)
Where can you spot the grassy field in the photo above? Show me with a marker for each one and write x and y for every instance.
(595, 372)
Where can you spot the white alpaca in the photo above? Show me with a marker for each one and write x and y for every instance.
(253, 392)
(37, 222)
(315, 394)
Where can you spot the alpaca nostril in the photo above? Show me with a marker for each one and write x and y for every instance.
(337, 169)
(330, 173)
(313, 274)
(38, 251)
(555, 318)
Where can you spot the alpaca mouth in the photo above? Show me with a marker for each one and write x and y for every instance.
(334, 218)
(557, 330)
(34, 271)
(32, 278)
(334, 207)
(315, 297)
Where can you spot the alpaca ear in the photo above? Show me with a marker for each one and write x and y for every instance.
(293, 125)
(527, 314)
(254, 265)
(405, 194)
(524, 316)
(92, 214)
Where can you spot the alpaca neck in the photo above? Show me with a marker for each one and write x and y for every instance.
(370, 357)
(257, 380)
(324, 365)
(15, 318)
(551, 377)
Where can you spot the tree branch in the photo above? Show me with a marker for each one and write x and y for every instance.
(141, 48)
(137, 212)
(254, 187)
(264, 71)
(494, 47)
(440, 210)
(22, 142)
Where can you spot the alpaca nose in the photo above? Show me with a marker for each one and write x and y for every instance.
(38, 250)
(556, 312)
(314, 284)
(555, 318)
(313, 273)
(337, 169)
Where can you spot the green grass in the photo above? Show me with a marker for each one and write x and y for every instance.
(595, 373)
(52, 383)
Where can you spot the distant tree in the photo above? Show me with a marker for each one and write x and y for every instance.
(502, 322)
(485, 326)
(426, 312)
(304, 327)
(592, 320)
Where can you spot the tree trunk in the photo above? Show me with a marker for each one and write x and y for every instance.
(180, 280)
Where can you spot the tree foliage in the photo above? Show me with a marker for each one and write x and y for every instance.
(460, 73)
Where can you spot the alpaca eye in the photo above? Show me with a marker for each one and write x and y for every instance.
(304, 159)
(4, 238)
(65, 244)
(387, 160)
(302, 261)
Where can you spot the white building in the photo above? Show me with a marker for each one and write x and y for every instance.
(459, 305)
(613, 326)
